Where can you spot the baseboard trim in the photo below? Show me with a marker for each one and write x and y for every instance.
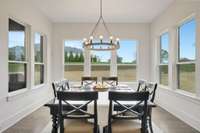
(23, 113)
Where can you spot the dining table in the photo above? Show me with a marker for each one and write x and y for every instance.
(102, 104)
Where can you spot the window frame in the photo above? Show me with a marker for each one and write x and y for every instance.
(178, 62)
(27, 52)
(43, 63)
(133, 64)
(159, 56)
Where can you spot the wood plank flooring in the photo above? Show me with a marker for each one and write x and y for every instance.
(38, 120)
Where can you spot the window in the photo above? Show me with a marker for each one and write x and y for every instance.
(39, 59)
(186, 56)
(100, 63)
(164, 53)
(17, 56)
(74, 59)
(126, 60)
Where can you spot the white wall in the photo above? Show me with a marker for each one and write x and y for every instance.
(182, 105)
(15, 107)
(64, 31)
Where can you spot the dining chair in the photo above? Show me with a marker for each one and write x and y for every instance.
(59, 85)
(86, 81)
(135, 122)
(71, 121)
(141, 84)
(151, 88)
(110, 81)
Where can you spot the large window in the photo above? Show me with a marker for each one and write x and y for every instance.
(186, 56)
(164, 53)
(100, 63)
(39, 59)
(17, 56)
(126, 60)
(74, 59)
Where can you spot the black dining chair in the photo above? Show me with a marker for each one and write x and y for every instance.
(110, 81)
(151, 88)
(141, 85)
(133, 122)
(77, 122)
(86, 81)
(60, 85)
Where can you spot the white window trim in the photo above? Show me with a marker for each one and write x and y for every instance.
(40, 63)
(166, 31)
(177, 89)
(27, 51)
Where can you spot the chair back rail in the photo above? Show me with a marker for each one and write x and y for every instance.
(111, 81)
(88, 80)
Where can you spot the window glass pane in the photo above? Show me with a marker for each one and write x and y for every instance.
(39, 74)
(74, 60)
(164, 75)
(73, 72)
(17, 76)
(126, 59)
(100, 57)
(186, 77)
(187, 41)
(127, 53)
(164, 44)
(73, 52)
(16, 42)
(100, 70)
(38, 48)
(126, 73)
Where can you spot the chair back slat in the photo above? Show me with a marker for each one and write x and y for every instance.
(60, 85)
(77, 96)
(111, 81)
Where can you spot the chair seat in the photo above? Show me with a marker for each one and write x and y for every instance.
(126, 126)
(78, 126)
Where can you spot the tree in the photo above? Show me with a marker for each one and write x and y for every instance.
(77, 58)
(81, 57)
(71, 57)
(164, 55)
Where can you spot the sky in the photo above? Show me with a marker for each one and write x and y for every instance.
(127, 50)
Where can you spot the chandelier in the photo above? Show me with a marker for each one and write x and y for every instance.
(99, 43)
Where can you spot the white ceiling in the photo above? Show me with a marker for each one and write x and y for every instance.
(117, 11)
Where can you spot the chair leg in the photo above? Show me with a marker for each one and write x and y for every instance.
(150, 124)
(61, 125)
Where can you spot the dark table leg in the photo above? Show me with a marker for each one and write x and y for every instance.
(55, 124)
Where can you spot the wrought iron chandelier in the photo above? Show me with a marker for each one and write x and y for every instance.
(100, 43)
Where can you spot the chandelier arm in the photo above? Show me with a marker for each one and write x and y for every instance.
(95, 26)
(106, 27)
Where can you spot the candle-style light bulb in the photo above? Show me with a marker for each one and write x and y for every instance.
(91, 37)
(84, 39)
(100, 37)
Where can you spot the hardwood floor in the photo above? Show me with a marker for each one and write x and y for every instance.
(38, 120)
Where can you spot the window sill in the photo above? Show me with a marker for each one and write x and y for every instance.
(183, 94)
(38, 86)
